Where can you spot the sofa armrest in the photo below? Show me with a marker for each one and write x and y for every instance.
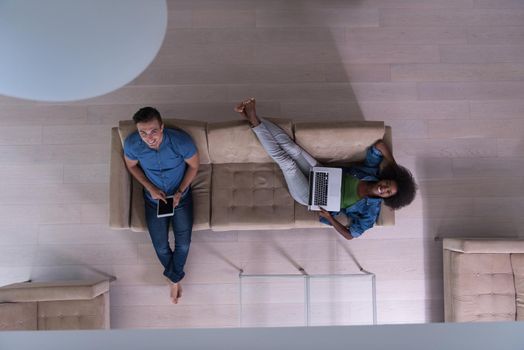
(484, 245)
(119, 185)
(53, 291)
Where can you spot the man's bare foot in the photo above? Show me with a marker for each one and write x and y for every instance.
(247, 109)
(175, 292)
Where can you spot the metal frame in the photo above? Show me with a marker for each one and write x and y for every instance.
(307, 288)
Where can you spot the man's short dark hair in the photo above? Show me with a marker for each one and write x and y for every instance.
(406, 186)
(146, 114)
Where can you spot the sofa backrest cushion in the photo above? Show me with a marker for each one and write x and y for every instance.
(196, 129)
(484, 245)
(234, 142)
(338, 142)
(50, 291)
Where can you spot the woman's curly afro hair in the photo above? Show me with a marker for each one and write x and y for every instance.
(406, 186)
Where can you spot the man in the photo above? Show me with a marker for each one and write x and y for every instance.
(165, 162)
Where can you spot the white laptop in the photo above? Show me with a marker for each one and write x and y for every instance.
(325, 187)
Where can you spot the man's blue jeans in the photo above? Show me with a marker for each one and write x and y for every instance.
(182, 221)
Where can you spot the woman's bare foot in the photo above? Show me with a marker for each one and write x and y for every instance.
(247, 109)
(175, 292)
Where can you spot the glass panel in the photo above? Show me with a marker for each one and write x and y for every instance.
(344, 300)
(272, 301)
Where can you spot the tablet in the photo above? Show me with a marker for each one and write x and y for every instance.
(164, 209)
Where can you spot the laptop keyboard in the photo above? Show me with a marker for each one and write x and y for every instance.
(321, 186)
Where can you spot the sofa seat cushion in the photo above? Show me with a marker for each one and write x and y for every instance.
(250, 196)
(310, 219)
(73, 314)
(201, 189)
(201, 202)
(307, 219)
(517, 263)
(481, 287)
(18, 316)
(138, 214)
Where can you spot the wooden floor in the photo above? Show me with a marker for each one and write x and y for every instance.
(447, 75)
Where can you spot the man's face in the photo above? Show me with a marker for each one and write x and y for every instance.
(151, 132)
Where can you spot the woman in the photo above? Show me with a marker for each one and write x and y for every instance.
(364, 188)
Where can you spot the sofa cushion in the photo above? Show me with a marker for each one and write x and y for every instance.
(338, 142)
(234, 142)
(201, 202)
(196, 129)
(305, 218)
(138, 213)
(250, 196)
(18, 316)
(77, 314)
(481, 288)
(517, 263)
(310, 219)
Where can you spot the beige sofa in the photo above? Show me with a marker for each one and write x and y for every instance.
(238, 186)
(55, 305)
(483, 280)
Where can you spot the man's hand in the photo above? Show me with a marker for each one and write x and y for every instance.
(157, 194)
(325, 214)
(176, 198)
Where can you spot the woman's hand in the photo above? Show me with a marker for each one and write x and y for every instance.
(341, 229)
(381, 146)
(325, 214)
(386, 152)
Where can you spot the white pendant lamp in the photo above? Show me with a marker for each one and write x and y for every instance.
(65, 50)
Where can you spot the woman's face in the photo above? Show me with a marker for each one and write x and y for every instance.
(385, 188)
